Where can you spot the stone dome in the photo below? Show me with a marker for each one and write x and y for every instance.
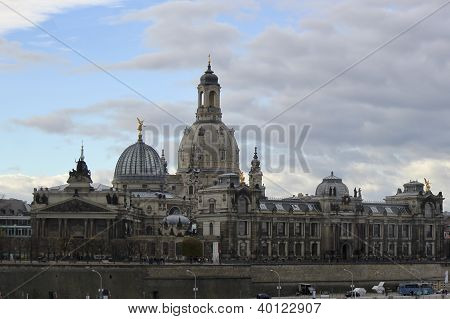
(176, 218)
(333, 182)
(139, 162)
(209, 146)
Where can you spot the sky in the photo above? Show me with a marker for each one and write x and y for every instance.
(74, 71)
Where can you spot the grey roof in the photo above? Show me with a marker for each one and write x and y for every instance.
(97, 187)
(381, 209)
(152, 194)
(14, 207)
(139, 162)
(282, 206)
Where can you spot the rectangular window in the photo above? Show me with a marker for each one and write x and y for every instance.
(406, 249)
(377, 230)
(281, 229)
(265, 228)
(346, 230)
(405, 231)
(391, 249)
(242, 228)
(299, 229)
(298, 249)
(429, 249)
(314, 227)
(391, 231)
(429, 231)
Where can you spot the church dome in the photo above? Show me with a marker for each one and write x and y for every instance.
(332, 185)
(139, 162)
(209, 77)
(209, 146)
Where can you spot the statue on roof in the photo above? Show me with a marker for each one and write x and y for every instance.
(242, 177)
(427, 184)
(139, 128)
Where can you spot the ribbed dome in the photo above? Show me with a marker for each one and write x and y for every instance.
(175, 219)
(333, 182)
(139, 162)
(209, 77)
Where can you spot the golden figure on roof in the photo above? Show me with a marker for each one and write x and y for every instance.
(242, 177)
(139, 128)
(427, 185)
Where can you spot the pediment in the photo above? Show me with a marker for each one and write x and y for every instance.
(76, 206)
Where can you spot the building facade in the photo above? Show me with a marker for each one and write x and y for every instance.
(209, 199)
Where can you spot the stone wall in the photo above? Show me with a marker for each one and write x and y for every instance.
(214, 281)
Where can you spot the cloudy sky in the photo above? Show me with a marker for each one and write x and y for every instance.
(384, 122)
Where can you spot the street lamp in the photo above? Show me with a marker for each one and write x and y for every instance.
(195, 289)
(279, 281)
(352, 286)
(100, 276)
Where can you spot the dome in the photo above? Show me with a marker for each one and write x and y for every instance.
(209, 77)
(209, 146)
(332, 182)
(175, 219)
(139, 162)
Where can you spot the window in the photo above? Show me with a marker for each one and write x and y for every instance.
(165, 249)
(282, 249)
(224, 197)
(429, 231)
(211, 229)
(298, 249)
(264, 249)
(314, 249)
(429, 249)
(299, 229)
(392, 231)
(191, 190)
(314, 227)
(377, 230)
(405, 231)
(242, 205)
(346, 230)
(391, 249)
(222, 154)
(265, 228)
(374, 209)
(242, 231)
(406, 251)
(211, 207)
(281, 229)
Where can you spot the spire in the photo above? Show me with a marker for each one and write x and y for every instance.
(255, 156)
(82, 152)
(209, 61)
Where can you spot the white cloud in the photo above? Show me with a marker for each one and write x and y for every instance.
(37, 11)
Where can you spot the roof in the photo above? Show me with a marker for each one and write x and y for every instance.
(14, 207)
(382, 208)
(282, 206)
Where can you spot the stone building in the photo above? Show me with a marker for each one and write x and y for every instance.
(208, 198)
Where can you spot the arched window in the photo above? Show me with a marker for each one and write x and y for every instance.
(212, 98)
(242, 204)
(211, 207)
(191, 190)
(211, 229)
(201, 99)
(428, 210)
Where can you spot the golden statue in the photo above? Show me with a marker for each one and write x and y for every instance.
(427, 185)
(242, 177)
(139, 128)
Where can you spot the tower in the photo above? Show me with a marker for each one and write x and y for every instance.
(208, 109)
(255, 174)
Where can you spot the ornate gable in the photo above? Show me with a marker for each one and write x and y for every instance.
(75, 205)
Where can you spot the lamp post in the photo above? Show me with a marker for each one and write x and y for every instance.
(100, 276)
(352, 286)
(195, 289)
(279, 281)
